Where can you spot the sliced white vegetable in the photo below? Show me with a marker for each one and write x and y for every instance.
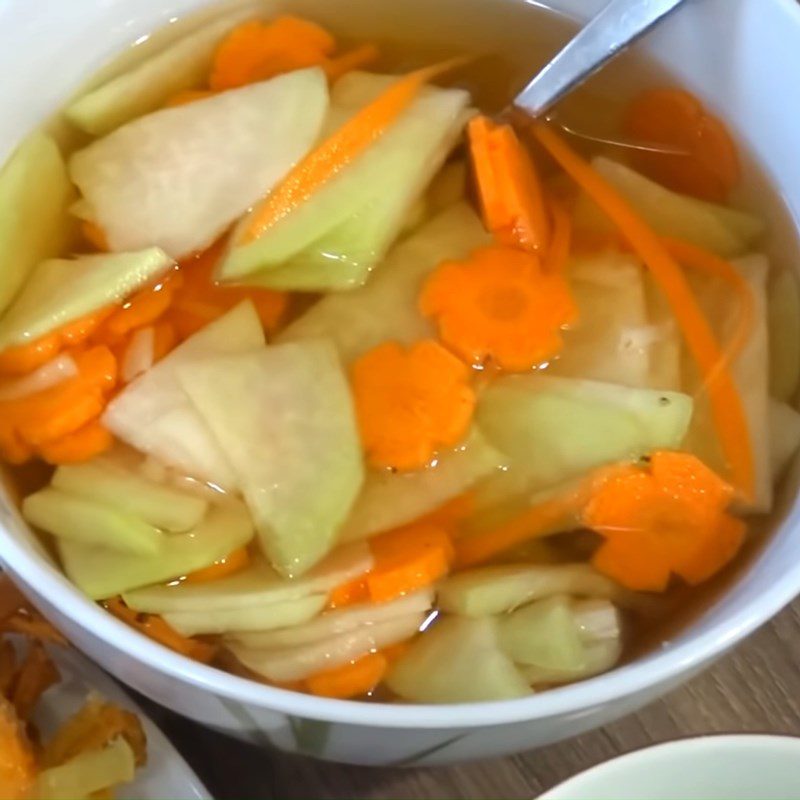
(108, 484)
(493, 590)
(750, 373)
(76, 519)
(60, 369)
(543, 633)
(258, 585)
(783, 319)
(725, 231)
(250, 618)
(597, 619)
(61, 290)
(35, 193)
(558, 428)
(139, 354)
(154, 415)
(333, 623)
(297, 663)
(391, 499)
(386, 308)
(458, 660)
(185, 64)
(336, 237)
(143, 181)
(666, 350)
(612, 340)
(784, 435)
(284, 418)
(87, 773)
(102, 573)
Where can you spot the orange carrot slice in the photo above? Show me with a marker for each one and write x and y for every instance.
(410, 402)
(141, 310)
(160, 631)
(352, 680)
(726, 404)
(357, 58)
(499, 306)
(83, 444)
(233, 562)
(668, 519)
(674, 117)
(510, 191)
(408, 559)
(342, 147)
(349, 594)
(256, 50)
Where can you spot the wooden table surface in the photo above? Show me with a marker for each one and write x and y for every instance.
(754, 690)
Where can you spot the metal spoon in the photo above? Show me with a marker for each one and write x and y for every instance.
(616, 27)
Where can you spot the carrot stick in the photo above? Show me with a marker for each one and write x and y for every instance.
(157, 629)
(342, 147)
(354, 59)
(726, 404)
(352, 680)
(511, 192)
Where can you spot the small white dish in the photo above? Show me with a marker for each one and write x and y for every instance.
(166, 773)
(740, 767)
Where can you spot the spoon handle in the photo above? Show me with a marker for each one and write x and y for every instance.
(619, 24)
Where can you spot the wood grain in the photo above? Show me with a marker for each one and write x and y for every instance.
(755, 689)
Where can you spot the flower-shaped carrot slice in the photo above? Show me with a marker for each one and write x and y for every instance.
(410, 402)
(499, 306)
(669, 519)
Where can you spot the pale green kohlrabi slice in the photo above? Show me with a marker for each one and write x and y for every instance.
(784, 435)
(284, 418)
(457, 660)
(556, 429)
(725, 231)
(61, 290)
(334, 238)
(178, 178)
(783, 319)
(184, 64)
(35, 193)
(154, 415)
(386, 308)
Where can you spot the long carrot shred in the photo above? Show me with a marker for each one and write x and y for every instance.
(410, 402)
(511, 194)
(668, 519)
(233, 562)
(356, 58)
(499, 306)
(701, 260)
(706, 163)
(352, 680)
(555, 261)
(557, 514)
(726, 404)
(157, 629)
(256, 50)
(342, 147)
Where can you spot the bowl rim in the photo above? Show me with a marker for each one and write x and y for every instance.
(656, 669)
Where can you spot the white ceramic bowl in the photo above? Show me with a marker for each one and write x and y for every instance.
(742, 56)
(706, 768)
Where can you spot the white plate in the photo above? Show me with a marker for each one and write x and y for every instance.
(166, 775)
(740, 767)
